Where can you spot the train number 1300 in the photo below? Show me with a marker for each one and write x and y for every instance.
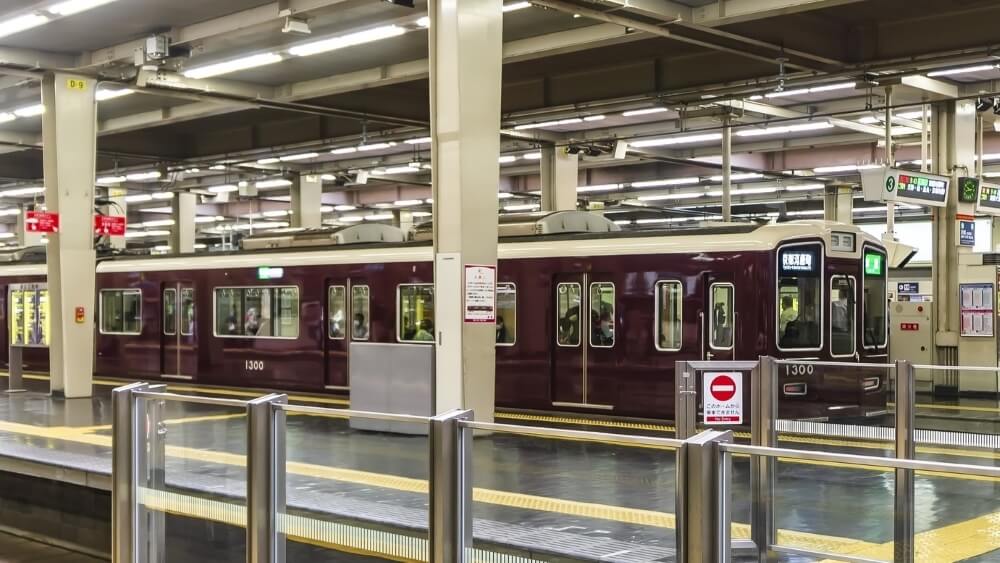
(254, 365)
(798, 369)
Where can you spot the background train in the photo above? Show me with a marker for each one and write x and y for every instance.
(589, 323)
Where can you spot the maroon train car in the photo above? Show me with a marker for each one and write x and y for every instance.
(590, 324)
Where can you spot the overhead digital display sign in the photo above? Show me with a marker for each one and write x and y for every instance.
(989, 199)
(893, 184)
(798, 261)
(920, 187)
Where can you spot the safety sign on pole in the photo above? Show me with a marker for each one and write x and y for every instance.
(722, 398)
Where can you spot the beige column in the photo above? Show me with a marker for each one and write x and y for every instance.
(307, 198)
(182, 234)
(559, 172)
(838, 203)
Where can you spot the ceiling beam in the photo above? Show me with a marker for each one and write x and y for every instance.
(34, 59)
(775, 111)
(725, 12)
(660, 9)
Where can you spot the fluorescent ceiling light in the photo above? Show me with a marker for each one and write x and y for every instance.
(805, 213)
(138, 198)
(785, 93)
(783, 129)
(845, 168)
(276, 183)
(745, 191)
(107, 94)
(351, 219)
(665, 197)
(378, 217)
(344, 150)
(516, 6)
(21, 23)
(325, 208)
(804, 187)
(655, 221)
(532, 156)
(276, 213)
(328, 177)
(30, 111)
(543, 124)
(594, 118)
(424, 21)
(225, 188)
(140, 176)
(70, 7)
(164, 209)
(738, 177)
(419, 214)
(504, 195)
(270, 160)
(159, 223)
(376, 146)
(668, 182)
(344, 208)
(294, 157)
(645, 111)
(134, 234)
(507, 158)
(401, 170)
(163, 195)
(831, 87)
(5, 117)
(217, 167)
(407, 202)
(962, 70)
(10, 211)
(349, 40)
(683, 139)
(522, 207)
(103, 180)
(418, 141)
(813, 90)
(598, 188)
(233, 65)
(22, 191)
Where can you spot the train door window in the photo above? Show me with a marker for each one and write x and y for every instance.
(121, 311)
(842, 316)
(874, 320)
(187, 311)
(721, 320)
(416, 312)
(568, 314)
(602, 315)
(506, 314)
(257, 312)
(337, 311)
(669, 322)
(170, 312)
(361, 326)
(800, 297)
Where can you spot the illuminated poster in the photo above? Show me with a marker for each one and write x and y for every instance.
(17, 317)
(976, 309)
(29, 315)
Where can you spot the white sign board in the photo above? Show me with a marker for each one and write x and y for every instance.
(722, 398)
(894, 184)
(480, 294)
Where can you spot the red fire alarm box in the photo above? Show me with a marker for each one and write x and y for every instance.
(81, 315)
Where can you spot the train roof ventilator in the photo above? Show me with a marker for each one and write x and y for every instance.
(365, 233)
(533, 224)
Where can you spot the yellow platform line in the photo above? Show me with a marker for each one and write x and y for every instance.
(953, 407)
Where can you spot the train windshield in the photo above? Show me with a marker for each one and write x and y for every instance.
(875, 304)
(800, 297)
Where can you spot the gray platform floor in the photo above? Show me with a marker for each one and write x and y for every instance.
(14, 549)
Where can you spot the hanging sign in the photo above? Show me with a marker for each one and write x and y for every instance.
(480, 294)
(894, 184)
(722, 398)
(41, 222)
(110, 225)
(989, 199)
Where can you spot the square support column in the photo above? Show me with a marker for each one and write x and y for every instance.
(307, 198)
(116, 195)
(25, 238)
(560, 172)
(465, 54)
(838, 203)
(182, 235)
(69, 145)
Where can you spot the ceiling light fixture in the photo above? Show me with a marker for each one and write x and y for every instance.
(22, 191)
(21, 23)
(598, 188)
(666, 197)
(783, 129)
(522, 207)
(105, 180)
(163, 195)
(961, 70)
(294, 157)
(270, 160)
(644, 111)
(138, 198)
(684, 139)
(140, 176)
(738, 177)
(344, 150)
(507, 158)
(668, 182)
(376, 146)
(233, 65)
(418, 141)
(70, 7)
(107, 94)
(804, 187)
(225, 188)
(514, 6)
(344, 208)
(532, 156)
(30, 111)
(275, 183)
(349, 40)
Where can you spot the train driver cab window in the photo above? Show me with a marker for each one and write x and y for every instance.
(669, 323)
(568, 314)
(602, 315)
(337, 311)
(416, 313)
(842, 316)
(170, 312)
(721, 318)
(800, 297)
(257, 312)
(506, 314)
(875, 305)
(121, 311)
(361, 322)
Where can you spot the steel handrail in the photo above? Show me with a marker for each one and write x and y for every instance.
(956, 368)
(884, 462)
(832, 364)
(347, 413)
(215, 401)
(582, 435)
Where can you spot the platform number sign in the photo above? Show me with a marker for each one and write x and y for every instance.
(76, 84)
(722, 397)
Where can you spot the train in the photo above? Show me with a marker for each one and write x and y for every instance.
(588, 319)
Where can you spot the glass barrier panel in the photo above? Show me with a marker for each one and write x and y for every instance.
(550, 499)
(356, 489)
(959, 401)
(192, 480)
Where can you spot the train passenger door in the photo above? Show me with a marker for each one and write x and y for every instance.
(179, 347)
(584, 331)
(347, 320)
(718, 319)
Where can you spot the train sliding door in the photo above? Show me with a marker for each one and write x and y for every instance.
(718, 318)
(179, 344)
(584, 338)
(347, 320)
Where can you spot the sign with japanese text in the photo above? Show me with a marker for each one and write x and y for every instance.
(722, 398)
(110, 225)
(480, 294)
(41, 222)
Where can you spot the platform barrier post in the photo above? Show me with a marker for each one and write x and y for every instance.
(905, 503)
(125, 444)
(763, 413)
(703, 520)
(151, 457)
(15, 370)
(450, 487)
(265, 478)
(685, 400)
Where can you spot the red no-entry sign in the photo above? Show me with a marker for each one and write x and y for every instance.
(722, 398)
(723, 388)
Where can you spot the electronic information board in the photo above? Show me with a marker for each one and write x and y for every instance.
(989, 199)
(29, 314)
(894, 184)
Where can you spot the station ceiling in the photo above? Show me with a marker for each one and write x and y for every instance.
(803, 80)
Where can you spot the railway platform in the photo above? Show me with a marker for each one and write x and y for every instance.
(560, 495)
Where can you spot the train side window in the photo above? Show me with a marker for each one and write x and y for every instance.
(257, 312)
(506, 314)
(568, 314)
(602, 315)
(842, 316)
(170, 312)
(721, 319)
(669, 321)
(800, 297)
(361, 326)
(336, 311)
(416, 312)
(187, 311)
(121, 311)
(875, 307)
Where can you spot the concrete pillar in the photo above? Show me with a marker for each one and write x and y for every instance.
(954, 136)
(560, 173)
(402, 219)
(995, 234)
(69, 145)
(465, 54)
(119, 206)
(727, 171)
(182, 235)
(307, 196)
(838, 204)
(24, 238)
